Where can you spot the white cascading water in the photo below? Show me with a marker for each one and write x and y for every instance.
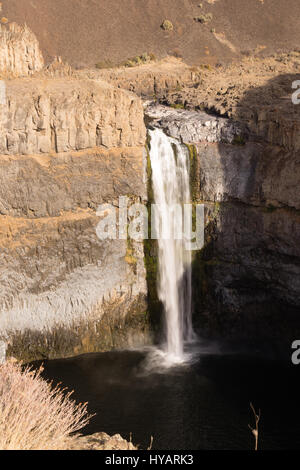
(171, 186)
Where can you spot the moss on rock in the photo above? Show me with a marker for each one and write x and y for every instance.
(194, 170)
(151, 257)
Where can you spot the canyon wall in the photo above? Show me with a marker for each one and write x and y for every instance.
(246, 172)
(20, 53)
(68, 146)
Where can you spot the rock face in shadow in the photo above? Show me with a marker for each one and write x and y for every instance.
(247, 277)
(20, 53)
(67, 147)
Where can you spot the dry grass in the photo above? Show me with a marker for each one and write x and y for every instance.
(255, 430)
(204, 18)
(167, 25)
(34, 415)
(144, 58)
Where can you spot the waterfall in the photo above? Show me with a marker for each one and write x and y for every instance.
(171, 189)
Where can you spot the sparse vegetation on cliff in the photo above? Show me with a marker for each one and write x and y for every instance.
(130, 254)
(204, 18)
(104, 64)
(151, 255)
(239, 140)
(34, 415)
(177, 105)
(167, 25)
(144, 58)
(193, 170)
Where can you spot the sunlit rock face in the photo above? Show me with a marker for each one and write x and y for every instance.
(70, 146)
(43, 116)
(20, 53)
(247, 277)
(102, 441)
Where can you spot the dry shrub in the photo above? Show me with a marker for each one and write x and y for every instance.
(105, 64)
(144, 58)
(176, 53)
(204, 18)
(34, 415)
(167, 25)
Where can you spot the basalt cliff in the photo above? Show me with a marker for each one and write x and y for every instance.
(70, 142)
(245, 170)
(68, 146)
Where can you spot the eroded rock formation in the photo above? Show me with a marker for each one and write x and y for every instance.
(67, 147)
(60, 115)
(247, 277)
(70, 144)
(20, 53)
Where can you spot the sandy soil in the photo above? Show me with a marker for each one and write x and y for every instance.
(85, 32)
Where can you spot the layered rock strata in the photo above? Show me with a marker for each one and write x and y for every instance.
(247, 277)
(66, 148)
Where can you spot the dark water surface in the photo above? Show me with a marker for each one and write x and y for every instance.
(204, 405)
